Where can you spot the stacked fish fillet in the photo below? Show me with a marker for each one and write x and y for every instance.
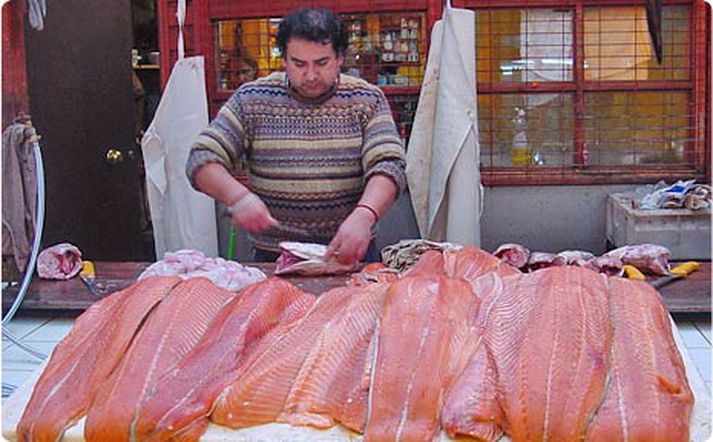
(460, 343)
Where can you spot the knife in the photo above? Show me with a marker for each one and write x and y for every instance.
(281, 227)
(88, 276)
(293, 230)
(632, 272)
(679, 272)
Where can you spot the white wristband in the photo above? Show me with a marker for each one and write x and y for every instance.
(243, 202)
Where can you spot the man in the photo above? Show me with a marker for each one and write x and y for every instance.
(247, 70)
(324, 157)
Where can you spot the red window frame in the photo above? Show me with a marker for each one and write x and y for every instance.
(201, 14)
(579, 173)
(199, 40)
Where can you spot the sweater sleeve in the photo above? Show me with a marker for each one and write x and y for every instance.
(223, 141)
(383, 151)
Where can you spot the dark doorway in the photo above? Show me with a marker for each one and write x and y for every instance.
(83, 105)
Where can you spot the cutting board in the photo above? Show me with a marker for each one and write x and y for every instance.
(15, 404)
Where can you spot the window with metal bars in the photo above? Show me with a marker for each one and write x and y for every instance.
(575, 94)
(569, 91)
(386, 49)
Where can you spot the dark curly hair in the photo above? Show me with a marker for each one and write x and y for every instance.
(317, 25)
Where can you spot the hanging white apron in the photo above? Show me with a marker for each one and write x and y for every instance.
(443, 151)
(182, 217)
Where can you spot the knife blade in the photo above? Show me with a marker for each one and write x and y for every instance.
(293, 230)
(88, 277)
(280, 227)
(679, 272)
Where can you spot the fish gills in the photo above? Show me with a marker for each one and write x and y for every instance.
(549, 337)
(422, 325)
(171, 331)
(258, 395)
(648, 398)
(331, 382)
(85, 358)
(186, 393)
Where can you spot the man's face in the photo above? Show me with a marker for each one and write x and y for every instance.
(312, 67)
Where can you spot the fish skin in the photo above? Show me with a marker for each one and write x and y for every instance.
(648, 397)
(186, 393)
(85, 358)
(310, 260)
(171, 331)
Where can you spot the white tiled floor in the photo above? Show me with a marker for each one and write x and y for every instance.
(40, 333)
(43, 334)
(697, 337)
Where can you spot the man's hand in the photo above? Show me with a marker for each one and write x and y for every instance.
(350, 243)
(250, 214)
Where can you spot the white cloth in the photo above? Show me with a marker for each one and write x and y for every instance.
(443, 151)
(182, 217)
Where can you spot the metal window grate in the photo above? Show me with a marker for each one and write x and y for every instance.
(579, 88)
(387, 49)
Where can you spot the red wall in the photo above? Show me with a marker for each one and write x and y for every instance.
(14, 74)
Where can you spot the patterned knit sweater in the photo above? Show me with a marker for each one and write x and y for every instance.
(307, 159)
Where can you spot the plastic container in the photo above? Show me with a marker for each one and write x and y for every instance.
(686, 233)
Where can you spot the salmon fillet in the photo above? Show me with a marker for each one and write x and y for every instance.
(549, 337)
(333, 382)
(430, 263)
(171, 331)
(424, 326)
(648, 397)
(471, 262)
(471, 407)
(480, 268)
(258, 394)
(85, 358)
(373, 272)
(185, 394)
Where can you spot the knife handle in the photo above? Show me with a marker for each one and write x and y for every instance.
(633, 273)
(685, 269)
(87, 270)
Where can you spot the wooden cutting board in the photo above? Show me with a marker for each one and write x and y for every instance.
(15, 404)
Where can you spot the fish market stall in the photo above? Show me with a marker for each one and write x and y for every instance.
(690, 295)
(460, 344)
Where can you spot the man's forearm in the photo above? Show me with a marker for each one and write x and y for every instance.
(215, 180)
(379, 194)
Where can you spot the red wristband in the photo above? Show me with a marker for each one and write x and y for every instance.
(370, 209)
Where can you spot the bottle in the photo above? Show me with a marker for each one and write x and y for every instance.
(520, 152)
